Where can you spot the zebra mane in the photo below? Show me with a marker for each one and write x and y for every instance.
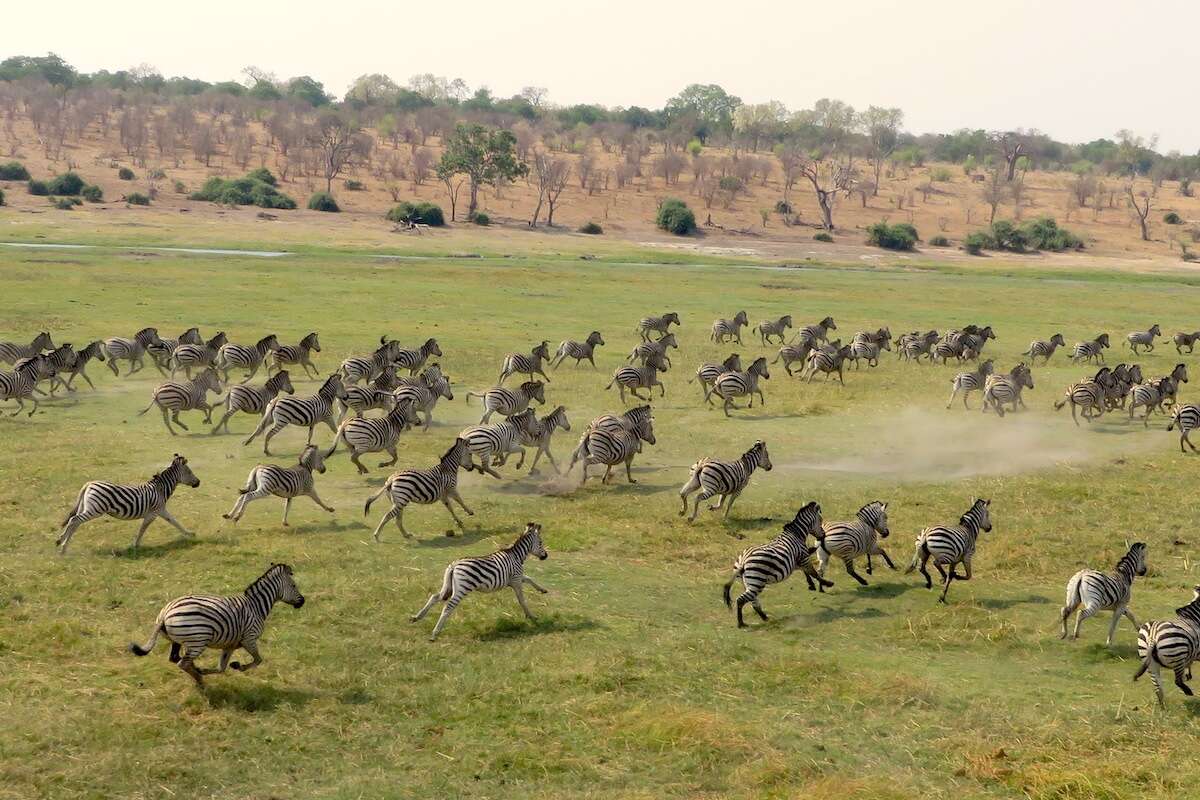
(870, 512)
(268, 338)
(307, 341)
(453, 454)
(1125, 565)
(1191, 611)
(271, 572)
(216, 341)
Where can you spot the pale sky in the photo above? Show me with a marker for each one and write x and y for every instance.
(1076, 69)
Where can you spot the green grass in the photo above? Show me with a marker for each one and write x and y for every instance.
(634, 682)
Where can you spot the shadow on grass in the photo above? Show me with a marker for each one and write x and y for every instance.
(522, 628)
(156, 550)
(999, 604)
(1099, 653)
(261, 697)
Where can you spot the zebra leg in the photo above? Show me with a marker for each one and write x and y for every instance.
(741, 601)
(447, 610)
(1084, 613)
(188, 665)
(443, 593)
(391, 451)
(1180, 678)
(222, 665)
(520, 593)
(1112, 628)
(924, 563)
(541, 589)
(112, 364)
(1129, 614)
(170, 520)
(362, 470)
(886, 558)
(954, 394)
(692, 485)
(550, 456)
(607, 475)
(457, 521)
(629, 469)
(729, 504)
(313, 494)
(393, 513)
(276, 428)
(175, 419)
(458, 498)
(251, 647)
(223, 423)
(141, 531)
(949, 578)
(287, 506)
(762, 400)
(311, 428)
(849, 562)
(72, 524)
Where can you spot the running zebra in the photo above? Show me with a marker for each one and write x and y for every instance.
(1090, 350)
(49, 365)
(1169, 391)
(1087, 396)
(862, 348)
(917, 345)
(769, 328)
(378, 395)
(528, 365)
(877, 337)
(287, 410)
(539, 435)
(1092, 591)
(1144, 339)
(1173, 644)
(187, 357)
(11, 352)
(232, 356)
(365, 368)
(949, 348)
(791, 353)
(729, 385)
(1117, 384)
(174, 396)
(708, 372)
(648, 350)
(413, 360)
(579, 350)
(614, 442)
(818, 332)
(424, 486)
(853, 539)
(723, 479)
(499, 441)
(1187, 340)
(146, 501)
(762, 565)
(288, 355)
(950, 545)
(1187, 417)
(634, 378)
(488, 574)
(967, 382)
(1150, 396)
(1001, 389)
(254, 399)
(507, 402)
(730, 329)
(423, 393)
(161, 350)
(20, 384)
(78, 367)
(1044, 349)
(823, 361)
(286, 482)
(199, 621)
(131, 350)
(662, 325)
(972, 338)
(363, 435)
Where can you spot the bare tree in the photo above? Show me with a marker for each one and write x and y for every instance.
(335, 140)
(829, 177)
(1141, 212)
(993, 192)
(882, 126)
(453, 186)
(204, 144)
(1012, 146)
(551, 175)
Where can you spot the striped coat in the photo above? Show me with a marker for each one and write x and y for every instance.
(821, 360)
(967, 382)
(78, 367)
(1150, 396)
(529, 365)
(131, 350)
(634, 378)
(1144, 339)
(413, 360)
(424, 486)
(854, 539)
(1187, 418)
(539, 434)
(725, 480)
(1187, 340)
(791, 353)
(708, 372)
(174, 396)
(999, 390)
(730, 329)
(864, 349)
(646, 351)
(254, 399)
(306, 412)
(20, 383)
(365, 368)
(951, 545)
(579, 350)
(1091, 592)
(507, 402)
(818, 332)
(917, 345)
(363, 435)
(285, 482)
(661, 325)
(232, 356)
(1088, 396)
(11, 352)
(1044, 349)
(769, 328)
(729, 385)
(1173, 644)
(1090, 350)
(628, 421)
(616, 442)
(288, 355)
(161, 350)
(424, 392)
(498, 441)
(187, 357)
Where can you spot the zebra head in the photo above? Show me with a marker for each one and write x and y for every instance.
(208, 380)
(656, 362)
(757, 454)
(759, 368)
(281, 382)
(672, 316)
(218, 341)
(542, 351)
(268, 342)
(978, 515)
(1102, 340)
(740, 318)
(558, 418)
(441, 386)
(93, 350)
(1058, 340)
(191, 336)
(1135, 558)
(453, 458)
(524, 421)
(311, 342)
(986, 332)
(785, 321)
(668, 341)
(333, 387)
(988, 367)
(147, 336)
(311, 459)
(533, 534)
(281, 578)
(431, 348)
(1023, 376)
(534, 390)
(404, 411)
(179, 465)
(807, 522)
(1179, 374)
(594, 338)
(733, 363)
(828, 324)
(41, 342)
(644, 428)
(1155, 330)
(875, 515)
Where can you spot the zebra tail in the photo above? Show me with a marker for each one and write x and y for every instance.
(77, 506)
(387, 486)
(1059, 405)
(1151, 655)
(912, 565)
(144, 649)
(147, 408)
(737, 573)
(1171, 424)
(470, 395)
(610, 384)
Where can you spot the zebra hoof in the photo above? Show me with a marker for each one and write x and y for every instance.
(236, 665)
(449, 533)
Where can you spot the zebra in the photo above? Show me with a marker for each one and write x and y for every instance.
(78, 367)
(287, 355)
(729, 385)
(762, 565)
(1117, 384)
(1091, 350)
(1187, 340)
(539, 433)
(1001, 389)
(869, 350)
(519, 363)
(187, 357)
(723, 479)
(1092, 591)
(488, 574)
(634, 378)
(287, 410)
(950, 545)
(662, 325)
(818, 332)
(707, 373)
(641, 416)
(1187, 417)
(1173, 644)
(768, 328)
(919, 345)
(11, 352)
(648, 350)
(49, 365)
(285, 482)
(251, 358)
(199, 621)
(367, 398)
(161, 351)
(578, 350)
(254, 399)
(423, 393)
(1044, 349)
(132, 350)
(363, 435)
(1087, 396)
(20, 383)
(1150, 395)
(877, 337)
(507, 402)
(1178, 375)
(730, 329)
(972, 338)
(1143, 338)
(829, 363)
(499, 441)
(358, 368)
(949, 348)
(146, 501)
(425, 486)
(615, 442)
(174, 396)
(858, 537)
(791, 353)
(413, 360)
(967, 382)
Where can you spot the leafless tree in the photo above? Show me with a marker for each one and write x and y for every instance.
(420, 165)
(1082, 187)
(453, 184)
(204, 143)
(1012, 146)
(829, 178)
(336, 141)
(1141, 211)
(584, 168)
(550, 174)
(882, 127)
(993, 192)
(668, 166)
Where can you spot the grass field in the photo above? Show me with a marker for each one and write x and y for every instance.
(634, 682)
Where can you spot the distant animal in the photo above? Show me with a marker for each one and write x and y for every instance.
(1144, 339)
(1173, 644)
(1090, 350)
(11, 352)
(132, 350)
(78, 367)
(791, 353)
(363, 435)
(286, 482)
(1149, 396)
(866, 349)
(413, 360)
(823, 361)
(648, 350)
(818, 332)
(288, 355)
(1187, 419)
(539, 434)
(769, 328)
(248, 357)
(488, 574)
(254, 399)
(725, 480)
(999, 390)
(1044, 349)
(913, 346)
(662, 324)
(730, 329)
(365, 368)
(1091, 592)
(187, 357)
(424, 486)
(376, 395)
(173, 397)
(731, 385)
(579, 350)
(967, 382)
(1187, 340)
(951, 545)
(854, 539)
(1087, 396)
(708, 372)
(634, 378)
(507, 402)
(1169, 391)
(161, 350)
(306, 412)
(197, 622)
(529, 365)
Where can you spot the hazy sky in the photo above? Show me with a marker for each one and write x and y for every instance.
(1077, 69)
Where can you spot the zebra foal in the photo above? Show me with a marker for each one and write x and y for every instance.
(661, 325)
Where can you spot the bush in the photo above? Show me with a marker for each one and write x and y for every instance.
(940, 241)
(92, 193)
(822, 237)
(975, 243)
(900, 236)
(156, 175)
(13, 171)
(1005, 235)
(354, 186)
(940, 175)
(39, 188)
(1171, 218)
(323, 201)
(137, 199)
(125, 174)
(180, 187)
(256, 188)
(481, 218)
(418, 213)
(262, 175)
(1043, 233)
(1, 197)
(65, 203)
(783, 207)
(66, 184)
(674, 216)
(591, 228)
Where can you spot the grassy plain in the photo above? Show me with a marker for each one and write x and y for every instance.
(634, 682)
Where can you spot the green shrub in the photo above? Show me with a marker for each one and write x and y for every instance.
(1171, 218)
(939, 241)
(92, 193)
(783, 207)
(674, 216)
(822, 237)
(180, 187)
(65, 203)
(137, 199)
(975, 243)
(1043, 233)
(39, 188)
(13, 171)
(262, 175)
(1, 197)
(940, 175)
(418, 213)
(256, 188)
(901, 236)
(323, 201)
(695, 147)
(156, 175)
(591, 228)
(125, 174)
(68, 184)
(1004, 235)
(354, 186)
(481, 218)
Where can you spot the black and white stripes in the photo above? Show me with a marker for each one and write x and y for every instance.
(579, 350)
(424, 486)
(950, 545)
(723, 479)
(1173, 644)
(306, 412)
(12, 352)
(729, 329)
(285, 482)
(1091, 592)
(528, 365)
